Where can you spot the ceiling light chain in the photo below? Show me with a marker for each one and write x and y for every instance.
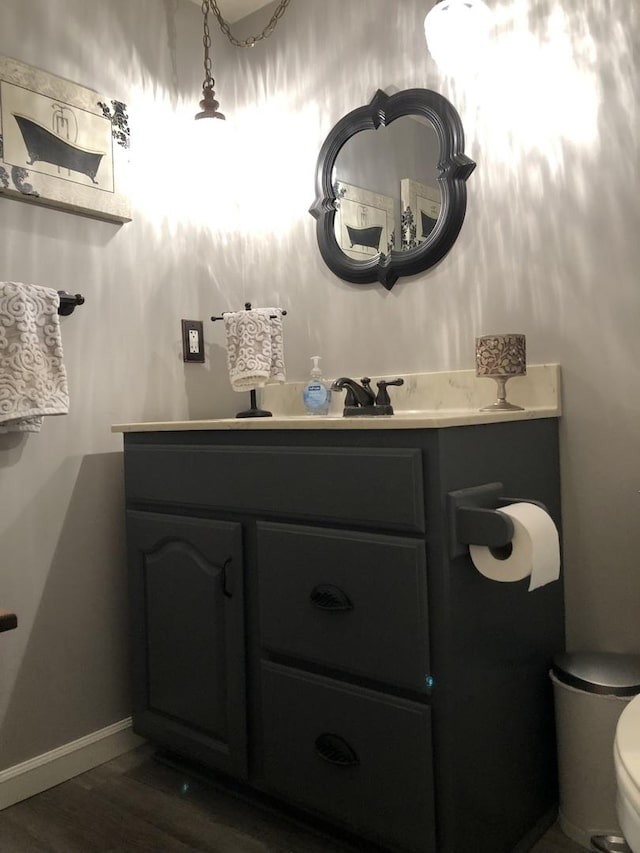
(253, 40)
(209, 105)
(206, 41)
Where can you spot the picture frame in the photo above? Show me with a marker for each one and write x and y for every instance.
(364, 222)
(62, 145)
(421, 205)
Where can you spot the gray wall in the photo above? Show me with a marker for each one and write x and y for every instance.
(549, 248)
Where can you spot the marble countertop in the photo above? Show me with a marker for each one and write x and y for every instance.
(426, 400)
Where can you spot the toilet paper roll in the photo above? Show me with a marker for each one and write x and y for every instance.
(535, 549)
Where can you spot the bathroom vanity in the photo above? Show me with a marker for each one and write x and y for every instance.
(304, 621)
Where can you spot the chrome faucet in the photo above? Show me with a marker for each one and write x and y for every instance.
(361, 400)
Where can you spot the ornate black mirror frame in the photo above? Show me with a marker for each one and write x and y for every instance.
(453, 167)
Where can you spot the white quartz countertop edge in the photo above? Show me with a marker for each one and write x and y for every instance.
(400, 420)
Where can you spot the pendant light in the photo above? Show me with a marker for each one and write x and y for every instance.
(457, 32)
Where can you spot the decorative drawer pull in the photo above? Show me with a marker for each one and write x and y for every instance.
(328, 597)
(336, 750)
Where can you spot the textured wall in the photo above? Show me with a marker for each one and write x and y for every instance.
(63, 673)
(549, 248)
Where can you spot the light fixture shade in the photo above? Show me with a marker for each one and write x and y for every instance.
(208, 104)
(457, 33)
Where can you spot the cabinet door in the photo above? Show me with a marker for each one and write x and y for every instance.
(188, 636)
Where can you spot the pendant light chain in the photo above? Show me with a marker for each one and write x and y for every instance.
(209, 105)
(206, 41)
(253, 40)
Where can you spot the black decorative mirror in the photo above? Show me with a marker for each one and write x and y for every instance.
(390, 187)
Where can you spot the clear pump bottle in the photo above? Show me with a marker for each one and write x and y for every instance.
(317, 392)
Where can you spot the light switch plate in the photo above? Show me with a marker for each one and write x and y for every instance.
(192, 340)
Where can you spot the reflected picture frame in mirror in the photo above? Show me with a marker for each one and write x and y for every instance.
(453, 167)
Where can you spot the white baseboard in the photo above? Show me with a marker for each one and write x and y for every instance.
(51, 768)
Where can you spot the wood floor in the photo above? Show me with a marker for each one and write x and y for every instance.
(134, 803)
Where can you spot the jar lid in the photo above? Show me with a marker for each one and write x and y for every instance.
(599, 672)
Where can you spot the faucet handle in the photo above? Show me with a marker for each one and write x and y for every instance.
(383, 398)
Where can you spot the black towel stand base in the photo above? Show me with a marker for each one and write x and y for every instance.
(254, 411)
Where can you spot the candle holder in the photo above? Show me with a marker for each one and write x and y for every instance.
(501, 357)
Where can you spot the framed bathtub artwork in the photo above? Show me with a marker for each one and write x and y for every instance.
(61, 144)
(420, 211)
(364, 222)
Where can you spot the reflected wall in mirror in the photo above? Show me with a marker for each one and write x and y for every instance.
(390, 187)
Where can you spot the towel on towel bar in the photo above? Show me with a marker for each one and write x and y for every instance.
(255, 347)
(33, 380)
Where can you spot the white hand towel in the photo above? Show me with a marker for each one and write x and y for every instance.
(33, 380)
(277, 344)
(255, 349)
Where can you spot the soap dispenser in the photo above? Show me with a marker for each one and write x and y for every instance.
(317, 393)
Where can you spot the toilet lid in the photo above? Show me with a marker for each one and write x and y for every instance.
(628, 744)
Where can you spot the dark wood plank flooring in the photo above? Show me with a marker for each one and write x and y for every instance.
(134, 803)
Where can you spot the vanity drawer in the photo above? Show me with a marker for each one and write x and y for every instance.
(353, 601)
(354, 755)
(375, 487)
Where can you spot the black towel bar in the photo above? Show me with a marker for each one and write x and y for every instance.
(68, 302)
(8, 620)
(247, 307)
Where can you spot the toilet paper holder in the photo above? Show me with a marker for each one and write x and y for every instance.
(474, 519)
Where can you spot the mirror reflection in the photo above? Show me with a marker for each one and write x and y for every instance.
(385, 181)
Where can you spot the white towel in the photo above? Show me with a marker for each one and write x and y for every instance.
(255, 347)
(278, 373)
(33, 380)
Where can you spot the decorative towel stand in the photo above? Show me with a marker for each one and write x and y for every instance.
(253, 411)
(68, 302)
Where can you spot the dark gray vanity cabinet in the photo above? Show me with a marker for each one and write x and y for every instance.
(302, 621)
